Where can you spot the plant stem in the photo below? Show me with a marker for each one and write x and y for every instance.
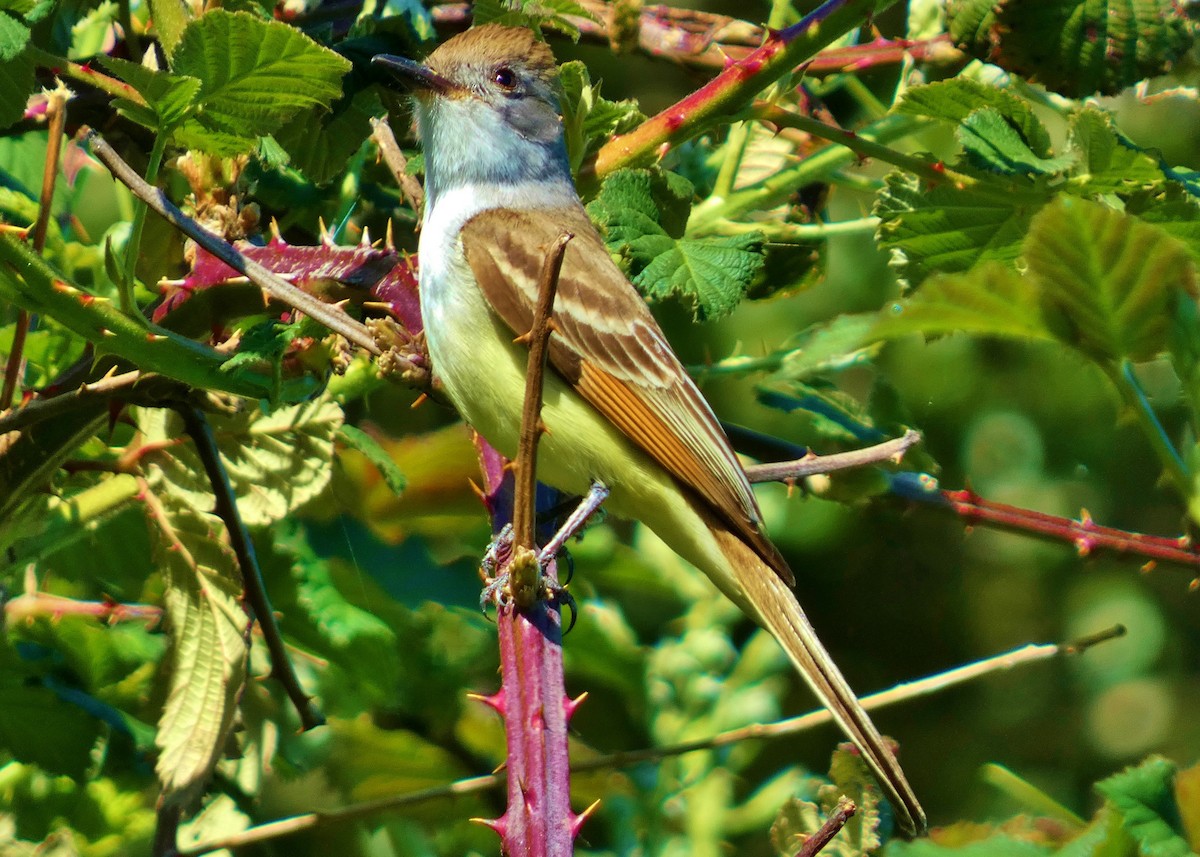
(730, 90)
(1134, 397)
(133, 248)
(14, 368)
(777, 189)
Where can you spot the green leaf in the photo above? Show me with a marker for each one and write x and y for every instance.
(170, 18)
(942, 229)
(590, 120)
(1108, 163)
(359, 440)
(1111, 279)
(642, 215)
(845, 341)
(954, 100)
(1098, 45)
(712, 274)
(255, 75)
(1145, 798)
(14, 36)
(16, 85)
(1173, 210)
(171, 97)
(993, 143)
(319, 142)
(990, 300)
(276, 462)
(210, 642)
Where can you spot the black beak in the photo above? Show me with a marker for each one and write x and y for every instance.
(413, 75)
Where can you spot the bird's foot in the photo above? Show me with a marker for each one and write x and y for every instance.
(524, 582)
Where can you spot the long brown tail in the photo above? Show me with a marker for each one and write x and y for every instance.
(775, 607)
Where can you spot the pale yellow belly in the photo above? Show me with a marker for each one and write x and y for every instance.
(483, 373)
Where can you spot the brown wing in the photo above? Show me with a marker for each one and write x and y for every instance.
(609, 348)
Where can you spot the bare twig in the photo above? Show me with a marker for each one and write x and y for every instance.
(298, 823)
(707, 40)
(331, 316)
(14, 368)
(538, 340)
(836, 821)
(936, 683)
(41, 409)
(810, 465)
(410, 188)
(1085, 534)
(1023, 656)
(282, 671)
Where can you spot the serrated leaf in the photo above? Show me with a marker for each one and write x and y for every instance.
(276, 462)
(170, 96)
(16, 85)
(712, 274)
(796, 822)
(255, 76)
(359, 440)
(210, 642)
(642, 215)
(319, 142)
(170, 18)
(993, 143)
(1145, 798)
(852, 778)
(14, 36)
(1108, 163)
(954, 100)
(970, 24)
(945, 230)
(1173, 210)
(1098, 45)
(991, 300)
(589, 120)
(1111, 278)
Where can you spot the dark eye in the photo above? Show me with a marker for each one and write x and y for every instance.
(504, 77)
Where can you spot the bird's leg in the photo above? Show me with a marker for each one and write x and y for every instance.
(494, 560)
(525, 581)
(591, 502)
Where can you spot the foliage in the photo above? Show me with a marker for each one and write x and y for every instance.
(986, 255)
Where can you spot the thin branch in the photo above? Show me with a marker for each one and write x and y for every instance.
(867, 148)
(1024, 656)
(1085, 534)
(410, 188)
(243, 548)
(707, 40)
(32, 603)
(37, 410)
(811, 464)
(331, 316)
(14, 368)
(538, 340)
(308, 821)
(837, 819)
(736, 85)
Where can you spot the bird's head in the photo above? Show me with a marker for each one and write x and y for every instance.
(487, 107)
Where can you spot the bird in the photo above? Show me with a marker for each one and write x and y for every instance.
(618, 406)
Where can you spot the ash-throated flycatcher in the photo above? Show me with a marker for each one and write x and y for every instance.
(619, 407)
